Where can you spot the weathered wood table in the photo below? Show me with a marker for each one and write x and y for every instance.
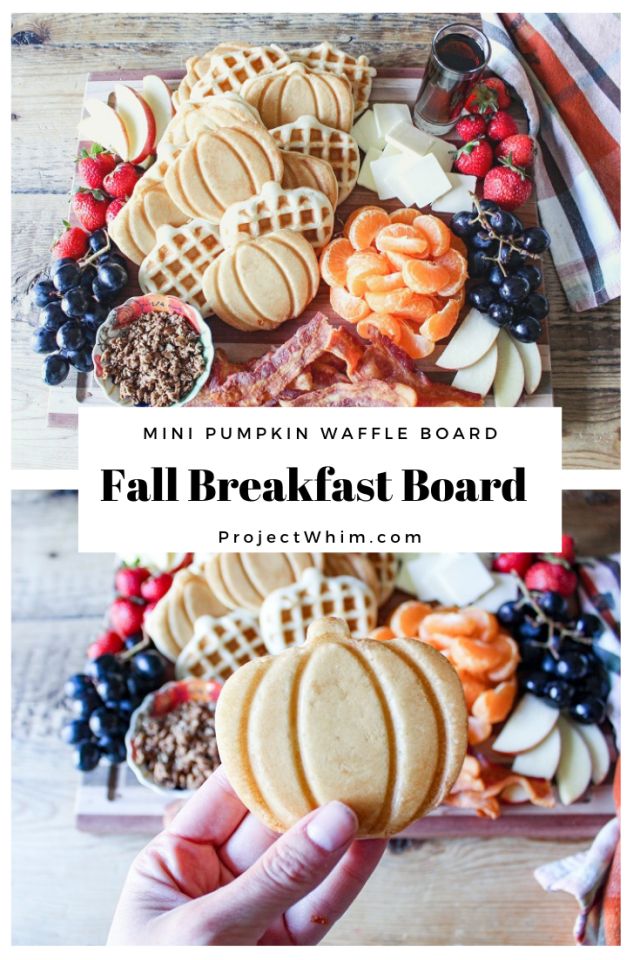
(52, 53)
(65, 883)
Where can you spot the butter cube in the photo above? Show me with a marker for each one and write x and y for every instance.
(365, 177)
(460, 578)
(390, 151)
(445, 153)
(409, 139)
(365, 133)
(387, 115)
(428, 180)
(388, 173)
(457, 198)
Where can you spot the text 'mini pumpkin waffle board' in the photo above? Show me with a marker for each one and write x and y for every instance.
(391, 85)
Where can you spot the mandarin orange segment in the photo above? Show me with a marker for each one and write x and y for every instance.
(406, 619)
(457, 267)
(423, 276)
(363, 264)
(382, 633)
(439, 325)
(347, 306)
(478, 731)
(402, 303)
(392, 281)
(495, 705)
(384, 323)
(507, 668)
(402, 238)
(472, 687)
(333, 262)
(364, 227)
(414, 344)
(404, 215)
(436, 231)
(474, 655)
(354, 214)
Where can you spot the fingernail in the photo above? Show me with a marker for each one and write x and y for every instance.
(332, 826)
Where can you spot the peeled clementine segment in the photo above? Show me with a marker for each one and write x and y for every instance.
(478, 730)
(354, 214)
(382, 633)
(472, 687)
(391, 281)
(361, 265)
(401, 303)
(397, 260)
(347, 306)
(404, 215)
(495, 705)
(402, 238)
(439, 325)
(474, 655)
(365, 225)
(436, 231)
(333, 262)
(414, 344)
(406, 619)
(507, 668)
(457, 267)
(424, 276)
(384, 323)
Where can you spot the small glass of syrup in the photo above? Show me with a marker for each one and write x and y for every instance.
(459, 55)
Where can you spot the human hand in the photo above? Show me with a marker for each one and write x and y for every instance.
(217, 875)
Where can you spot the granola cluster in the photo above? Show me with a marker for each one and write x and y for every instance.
(154, 360)
(178, 748)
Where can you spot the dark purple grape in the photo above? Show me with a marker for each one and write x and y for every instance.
(526, 329)
(87, 756)
(588, 709)
(482, 296)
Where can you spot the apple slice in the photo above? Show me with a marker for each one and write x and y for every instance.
(104, 126)
(158, 96)
(532, 363)
(542, 760)
(574, 770)
(509, 381)
(527, 726)
(480, 375)
(598, 750)
(139, 121)
(470, 342)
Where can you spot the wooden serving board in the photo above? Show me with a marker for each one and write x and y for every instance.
(111, 800)
(392, 86)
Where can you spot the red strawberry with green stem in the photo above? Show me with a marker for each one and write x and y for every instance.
(520, 149)
(471, 127)
(94, 165)
(126, 616)
(474, 158)
(501, 125)
(557, 577)
(121, 181)
(487, 96)
(113, 210)
(507, 185)
(73, 242)
(90, 208)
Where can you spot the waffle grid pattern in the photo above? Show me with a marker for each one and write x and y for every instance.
(308, 135)
(229, 70)
(306, 211)
(220, 646)
(178, 261)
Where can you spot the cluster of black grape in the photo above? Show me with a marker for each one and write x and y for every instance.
(501, 254)
(75, 299)
(558, 659)
(103, 699)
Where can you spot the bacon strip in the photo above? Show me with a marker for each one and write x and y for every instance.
(371, 393)
(481, 785)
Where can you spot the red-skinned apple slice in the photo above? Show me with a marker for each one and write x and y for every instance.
(139, 121)
(104, 126)
(527, 726)
(158, 97)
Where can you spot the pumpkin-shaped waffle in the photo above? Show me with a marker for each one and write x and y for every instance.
(379, 726)
(327, 58)
(287, 94)
(302, 170)
(191, 118)
(309, 136)
(220, 646)
(259, 284)
(355, 565)
(177, 263)
(386, 566)
(303, 210)
(171, 622)
(230, 68)
(148, 208)
(286, 614)
(246, 579)
(220, 167)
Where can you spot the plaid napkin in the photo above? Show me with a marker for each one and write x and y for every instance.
(566, 70)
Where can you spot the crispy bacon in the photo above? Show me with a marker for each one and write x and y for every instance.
(222, 368)
(383, 360)
(370, 393)
(482, 784)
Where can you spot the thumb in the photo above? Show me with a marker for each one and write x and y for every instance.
(293, 866)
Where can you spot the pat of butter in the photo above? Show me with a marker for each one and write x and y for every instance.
(390, 151)
(388, 173)
(445, 153)
(365, 177)
(428, 180)
(457, 198)
(387, 115)
(460, 578)
(365, 132)
(409, 139)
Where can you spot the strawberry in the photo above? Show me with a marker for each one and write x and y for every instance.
(90, 208)
(121, 181)
(126, 616)
(568, 551)
(513, 563)
(501, 126)
(73, 243)
(130, 579)
(94, 164)
(474, 158)
(557, 577)
(487, 96)
(155, 587)
(471, 127)
(519, 148)
(149, 607)
(507, 185)
(108, 642)
(113, 210)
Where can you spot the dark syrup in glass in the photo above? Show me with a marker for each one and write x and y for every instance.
(454, 67)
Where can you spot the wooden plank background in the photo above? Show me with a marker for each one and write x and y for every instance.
(52, 53)
(65, 883)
